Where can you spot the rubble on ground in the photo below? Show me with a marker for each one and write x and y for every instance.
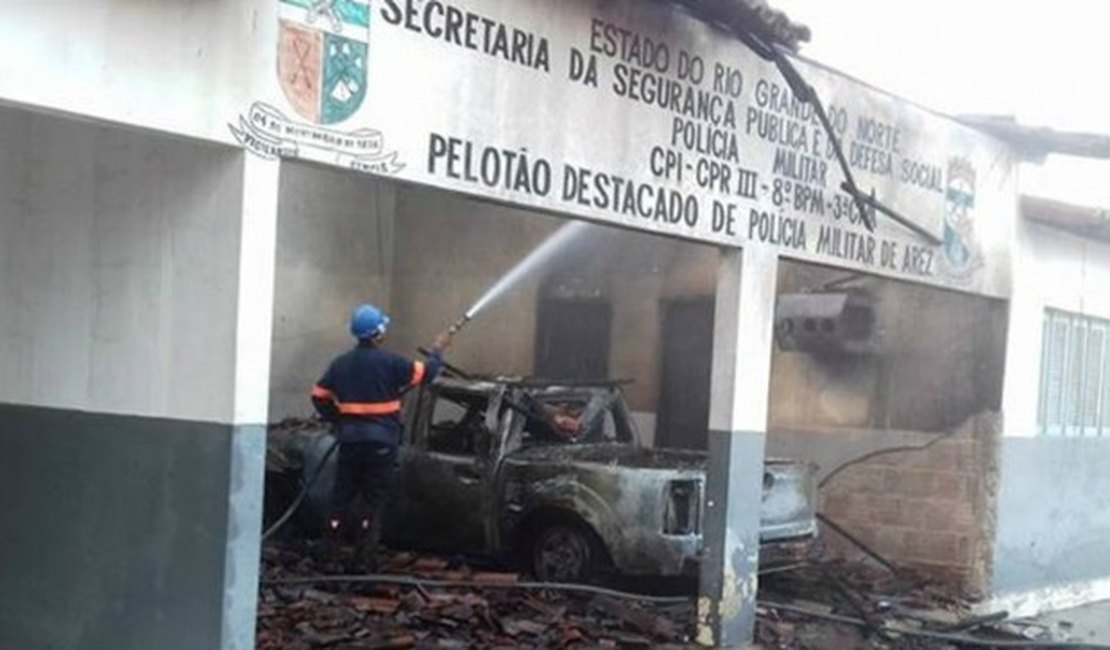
(821, 604)
(364, 616)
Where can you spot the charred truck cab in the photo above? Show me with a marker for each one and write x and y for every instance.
(552, 475)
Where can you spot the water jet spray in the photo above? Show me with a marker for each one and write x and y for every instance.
(561, 238)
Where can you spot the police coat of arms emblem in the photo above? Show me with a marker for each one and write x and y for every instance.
(322, 48)
(962, 256)
(322, 69)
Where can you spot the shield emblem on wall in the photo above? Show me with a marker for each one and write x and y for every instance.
(322, 48)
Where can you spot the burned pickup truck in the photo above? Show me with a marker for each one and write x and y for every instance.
(550, 475)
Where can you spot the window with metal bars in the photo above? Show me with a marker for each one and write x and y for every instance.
(1075, 376)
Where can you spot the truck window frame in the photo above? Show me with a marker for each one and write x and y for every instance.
(624, 429)
(422, 424)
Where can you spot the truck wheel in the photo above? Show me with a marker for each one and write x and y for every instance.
(564, 553)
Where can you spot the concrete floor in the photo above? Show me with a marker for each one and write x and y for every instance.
(1089, 623)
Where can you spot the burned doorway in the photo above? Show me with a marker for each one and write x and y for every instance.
(574, 319)
(684, 386)
(572, 337)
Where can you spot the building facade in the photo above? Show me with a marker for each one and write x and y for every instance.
(195, 195)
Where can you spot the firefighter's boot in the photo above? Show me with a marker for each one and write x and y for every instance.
(330, 550)
(367, 556)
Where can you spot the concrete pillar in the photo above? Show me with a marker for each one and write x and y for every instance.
(133, 386)
(254, 323)
(738, 408)
(1024, 337)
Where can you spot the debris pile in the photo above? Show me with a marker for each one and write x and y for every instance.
(839, 604)
(428, 602)
(283, 453)
(487, 611)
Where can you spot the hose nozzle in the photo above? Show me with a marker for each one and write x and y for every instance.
(458, 325)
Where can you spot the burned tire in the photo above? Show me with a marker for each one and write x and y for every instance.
(565, 552)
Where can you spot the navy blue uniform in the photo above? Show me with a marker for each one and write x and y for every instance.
(361, 393)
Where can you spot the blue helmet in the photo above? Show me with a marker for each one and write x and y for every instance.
(368, 321)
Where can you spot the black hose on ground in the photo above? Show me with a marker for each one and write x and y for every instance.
(410, 581)
(304, 493)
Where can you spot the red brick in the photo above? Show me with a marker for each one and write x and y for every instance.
(909, 511)
(915, 459)
(872, 480)
(891, 541)
(847, 480)
(911, 459)
(964, 515)
(966, 460)
(966, 550)
(885, 460)
(953, 575)
(892, 479)
(852, 480)
(837, 503)
(889, 511)
(914, 483)
(866, 533)
(865, 506)
(951, 485)
(936, 547)
(915, 513)
(940, 515)
(840, 547)
(941, 456)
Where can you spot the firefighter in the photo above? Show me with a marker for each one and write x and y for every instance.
(360, 393)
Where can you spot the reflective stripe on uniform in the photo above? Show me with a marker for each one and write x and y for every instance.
(322, 393)
(370, 408)
(418, 371)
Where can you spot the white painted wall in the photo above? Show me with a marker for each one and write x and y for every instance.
(176, 65)
(1052, 269)
(1066, 271)
(1052, 490)
(334, 251)
(118, 263)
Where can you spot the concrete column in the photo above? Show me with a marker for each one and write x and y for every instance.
(133, 386)
(1024, 337)
(738, 407)
(254, 323)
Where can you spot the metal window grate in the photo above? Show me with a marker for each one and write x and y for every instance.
(1075, 376)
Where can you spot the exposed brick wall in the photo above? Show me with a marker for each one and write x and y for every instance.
(930, 509)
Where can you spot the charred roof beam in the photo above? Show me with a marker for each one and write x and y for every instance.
(867, 204)
(748, 18)
(1034, 144)
(773, 37)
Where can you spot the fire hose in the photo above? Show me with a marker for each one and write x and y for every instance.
(303, 493)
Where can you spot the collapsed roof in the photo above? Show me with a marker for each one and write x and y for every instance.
(1092, 223)
(746, 18)
(1033, 144)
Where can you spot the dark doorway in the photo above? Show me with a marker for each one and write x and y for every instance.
(572, 338)
(684, 387)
